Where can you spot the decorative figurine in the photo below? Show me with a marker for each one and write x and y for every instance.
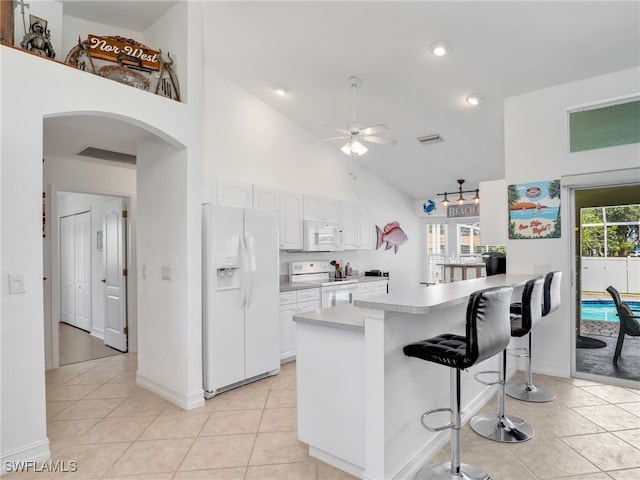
(38, 40)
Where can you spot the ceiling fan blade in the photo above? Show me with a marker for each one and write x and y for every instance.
(341, 137)
(381, 140)
(373, 129)
(338, 129)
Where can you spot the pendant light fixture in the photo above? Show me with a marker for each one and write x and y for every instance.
(460, 192)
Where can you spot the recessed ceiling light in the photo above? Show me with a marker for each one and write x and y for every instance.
(474, 99)
(439, 48)
(281, 89)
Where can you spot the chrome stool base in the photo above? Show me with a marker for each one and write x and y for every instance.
(530, 393)
(442, 471)
(508, 429)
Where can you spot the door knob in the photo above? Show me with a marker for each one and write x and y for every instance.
(104, 280)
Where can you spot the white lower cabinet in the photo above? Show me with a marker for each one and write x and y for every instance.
(372, 289)
(292, 302)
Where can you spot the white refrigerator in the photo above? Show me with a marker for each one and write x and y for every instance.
(240, 296)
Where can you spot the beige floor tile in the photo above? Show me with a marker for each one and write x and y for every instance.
(579, 382)
(613, 394)
(175, 426)
(124, 377)
(219, 452)
(236, 473)
(140, 406)
(605, 450)
(93, 461)
(88, 409)
(610, 417)
(279, 447)
(239, 400)
(285, 380)
(571, 396)
(76, 368)
(92, 378)
(233, 422)
(68, 429)
(630, 474)
(562, 422)
(589, 476)
(633, 407)
(149, 476)
(152, 456)
(54, 408)
(632, 437)
(55, 377)
(69, 392)
(559, 459)
(114, 430)
(281, 399)
(112, 390)
(328, 472)
(285, 471)
(279, 420)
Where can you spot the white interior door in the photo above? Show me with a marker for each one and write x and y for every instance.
(83, 270)
(115, 281)
(67, 270)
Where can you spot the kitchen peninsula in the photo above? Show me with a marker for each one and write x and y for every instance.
(360, 398)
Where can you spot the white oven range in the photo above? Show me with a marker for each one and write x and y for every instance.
(334, 291)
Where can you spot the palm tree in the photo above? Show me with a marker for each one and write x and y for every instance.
(554, 189)
(513, 195)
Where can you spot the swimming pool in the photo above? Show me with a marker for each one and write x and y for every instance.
(603, 310)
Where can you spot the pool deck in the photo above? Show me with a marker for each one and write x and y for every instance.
(603, 329)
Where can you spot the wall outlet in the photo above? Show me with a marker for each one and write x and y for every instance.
(166, 273)
(541, 267)
(16, 283)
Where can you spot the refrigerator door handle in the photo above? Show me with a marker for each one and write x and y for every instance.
(243, 273)
(251, 267)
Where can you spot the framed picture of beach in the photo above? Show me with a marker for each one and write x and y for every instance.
(534, 210)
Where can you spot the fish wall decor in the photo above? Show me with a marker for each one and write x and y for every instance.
(392, 236)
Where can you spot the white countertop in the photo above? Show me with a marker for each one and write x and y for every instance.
(346, 317)
(423, 299)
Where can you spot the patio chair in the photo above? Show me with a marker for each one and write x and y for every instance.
(629, 321)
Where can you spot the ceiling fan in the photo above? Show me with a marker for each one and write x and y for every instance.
(356, 133)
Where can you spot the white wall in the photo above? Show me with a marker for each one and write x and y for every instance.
(26, 103)
(535, 150)
(248, 141)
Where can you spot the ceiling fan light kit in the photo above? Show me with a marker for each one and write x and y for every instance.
(439, 48)
(355, 134)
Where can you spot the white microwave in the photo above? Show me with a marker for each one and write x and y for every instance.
(322, 237)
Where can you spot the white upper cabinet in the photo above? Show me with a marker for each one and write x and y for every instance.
(350, 226)
(291, 208)
(365, 228)
(266, 199)
(322, 209)
(209, 188)
(234, 194)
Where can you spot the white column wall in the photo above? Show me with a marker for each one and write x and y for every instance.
(536, 149)
(25, 103)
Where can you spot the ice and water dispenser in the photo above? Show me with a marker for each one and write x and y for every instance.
(227, 265)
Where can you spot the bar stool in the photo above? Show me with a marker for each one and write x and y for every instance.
(551, 301)
(487, 333)
(501, 427)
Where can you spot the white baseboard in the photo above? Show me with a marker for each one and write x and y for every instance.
(98, 333)
(337, 462)
(25, 456)
(551, 370)
(186, 402)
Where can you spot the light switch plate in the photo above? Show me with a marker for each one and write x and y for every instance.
(16, 283)
(166, 273)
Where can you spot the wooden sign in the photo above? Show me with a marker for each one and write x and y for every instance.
(465, 210)
(125, 53)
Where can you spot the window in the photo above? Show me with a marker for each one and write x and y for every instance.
(610, 231)
(468, 239)
(436, 251)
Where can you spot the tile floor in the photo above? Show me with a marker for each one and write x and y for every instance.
(113, 429)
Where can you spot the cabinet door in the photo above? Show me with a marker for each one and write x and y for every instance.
(209, 190)
(287, 336)
(349, 225)
(233, 194)
(365, 229)
(266, 199)
(332, 210)
(313, 208)
(291, 205)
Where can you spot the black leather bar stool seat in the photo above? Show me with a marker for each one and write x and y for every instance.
(551, 302)
(500, 426)
(487, 334)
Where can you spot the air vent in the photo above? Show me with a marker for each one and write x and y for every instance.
(101, 154)
(430, 139)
